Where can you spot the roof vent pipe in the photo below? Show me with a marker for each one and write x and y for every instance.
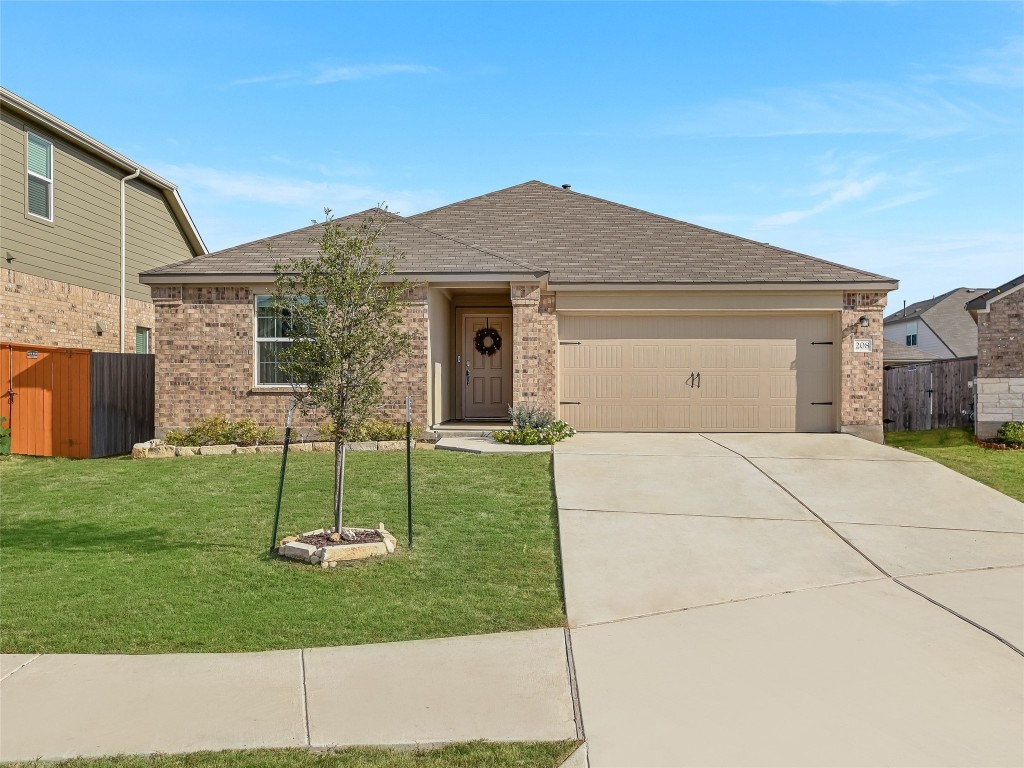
(567, 186)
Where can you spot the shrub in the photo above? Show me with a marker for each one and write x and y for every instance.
(371, 430)
(530, 416)
(217, 430)
(5, 437)
(1011, 433)
(549, 434)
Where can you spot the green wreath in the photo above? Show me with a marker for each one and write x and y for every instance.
(480, 341)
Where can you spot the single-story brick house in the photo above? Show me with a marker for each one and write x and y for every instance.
(999, 387)
(613, 318)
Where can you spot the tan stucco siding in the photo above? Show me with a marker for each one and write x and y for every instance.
(82, 246)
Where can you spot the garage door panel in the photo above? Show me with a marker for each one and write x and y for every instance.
(756, 373)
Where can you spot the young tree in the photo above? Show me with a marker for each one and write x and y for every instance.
(343, 312)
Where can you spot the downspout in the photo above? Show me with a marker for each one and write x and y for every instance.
(124, 250)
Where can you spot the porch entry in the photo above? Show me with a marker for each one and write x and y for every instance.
(485, 365)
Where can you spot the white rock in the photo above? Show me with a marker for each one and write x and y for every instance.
(299, 551)
(217, 450)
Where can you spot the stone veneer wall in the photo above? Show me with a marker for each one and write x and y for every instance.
(35, 310)
(534, 347)
(205, 356)
(999, 390)
(861, 406)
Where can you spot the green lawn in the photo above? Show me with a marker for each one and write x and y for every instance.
(472, 755)
(166, 555)
(1002, 470)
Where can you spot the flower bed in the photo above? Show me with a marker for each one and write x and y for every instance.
(327, 548)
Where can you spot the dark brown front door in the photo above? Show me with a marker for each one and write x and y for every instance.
(486, 377)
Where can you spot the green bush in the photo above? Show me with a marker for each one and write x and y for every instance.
(5, 437)
(217, 430)
(526, 416)
(527, 435)
(1011, 433)
(371, 430)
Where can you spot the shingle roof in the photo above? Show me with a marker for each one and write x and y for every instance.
(584, 239)
(895, 352)
(535, 228)
(425, 252)
(982, 302)
(946, 316)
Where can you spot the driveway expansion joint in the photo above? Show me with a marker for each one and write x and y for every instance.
(574, 690)
(305, 696)
(986, 630)
(687, 514)
(20, 667)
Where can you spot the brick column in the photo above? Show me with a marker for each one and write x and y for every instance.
(410, 376)
(534, 347)
(999, 389)
(861, 406)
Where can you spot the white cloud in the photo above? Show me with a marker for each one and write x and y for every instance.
(832, 108)
(836, 193)
(324, 75)
(1003, 66)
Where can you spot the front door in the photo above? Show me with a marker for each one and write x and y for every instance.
(486, 371)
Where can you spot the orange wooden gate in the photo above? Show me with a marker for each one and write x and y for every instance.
(46, 399)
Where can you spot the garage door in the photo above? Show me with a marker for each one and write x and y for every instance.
(708, 373)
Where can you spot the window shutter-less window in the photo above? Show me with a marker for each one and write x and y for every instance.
(40, 160)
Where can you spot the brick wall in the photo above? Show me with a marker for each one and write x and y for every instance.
(861, 406)
(36, 310)
(534, 347)
(1000, 383)
(205, 361)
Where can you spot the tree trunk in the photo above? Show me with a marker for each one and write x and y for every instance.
(339, 480)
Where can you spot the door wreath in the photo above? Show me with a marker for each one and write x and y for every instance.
(485, 335)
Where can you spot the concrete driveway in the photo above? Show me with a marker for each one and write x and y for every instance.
(790, 600)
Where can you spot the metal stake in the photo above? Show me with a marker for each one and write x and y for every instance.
(280, 483)
(408, 462)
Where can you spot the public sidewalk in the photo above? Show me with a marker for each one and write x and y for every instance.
(502, 687)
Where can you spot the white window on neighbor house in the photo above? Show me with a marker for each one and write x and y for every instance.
(273, 326)
(911, 331)
(141, 340)
(39, 167)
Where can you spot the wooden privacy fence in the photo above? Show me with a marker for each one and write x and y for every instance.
(930, 395)
(73, 402)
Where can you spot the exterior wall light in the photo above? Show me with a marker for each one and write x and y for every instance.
(864, 322)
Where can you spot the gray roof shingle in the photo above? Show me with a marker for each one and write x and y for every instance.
(584, 239)
(425, 252)
(535, 228)
(948, 318)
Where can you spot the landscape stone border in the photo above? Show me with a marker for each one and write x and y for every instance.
(159, 449)
(329, 556)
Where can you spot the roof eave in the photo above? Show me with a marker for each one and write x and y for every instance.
(730, 286)
(262, 278)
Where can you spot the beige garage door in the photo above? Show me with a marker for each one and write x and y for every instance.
(708, 373)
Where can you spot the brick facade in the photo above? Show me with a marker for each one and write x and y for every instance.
(205, 359)
(861, 406)
(534, 347)
(1000, 384)
(36, 310)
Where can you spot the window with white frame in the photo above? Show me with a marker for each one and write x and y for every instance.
(39, 167)
(911, 332)
(141, 340)
(273, 329)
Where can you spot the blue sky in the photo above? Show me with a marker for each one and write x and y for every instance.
(887, 136)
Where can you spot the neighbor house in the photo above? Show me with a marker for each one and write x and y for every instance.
(611, 317)
(999, 388)
(78, 223)
(940, 326)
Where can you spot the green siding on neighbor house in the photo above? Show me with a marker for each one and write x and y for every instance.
(82, 246)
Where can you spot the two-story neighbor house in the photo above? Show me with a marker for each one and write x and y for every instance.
(78, 223)
(939, 327)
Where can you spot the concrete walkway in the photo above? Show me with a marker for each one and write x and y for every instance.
(502, 687)
(790, 600)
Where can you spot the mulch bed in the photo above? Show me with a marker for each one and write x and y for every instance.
(324, 539)
(994, 446)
